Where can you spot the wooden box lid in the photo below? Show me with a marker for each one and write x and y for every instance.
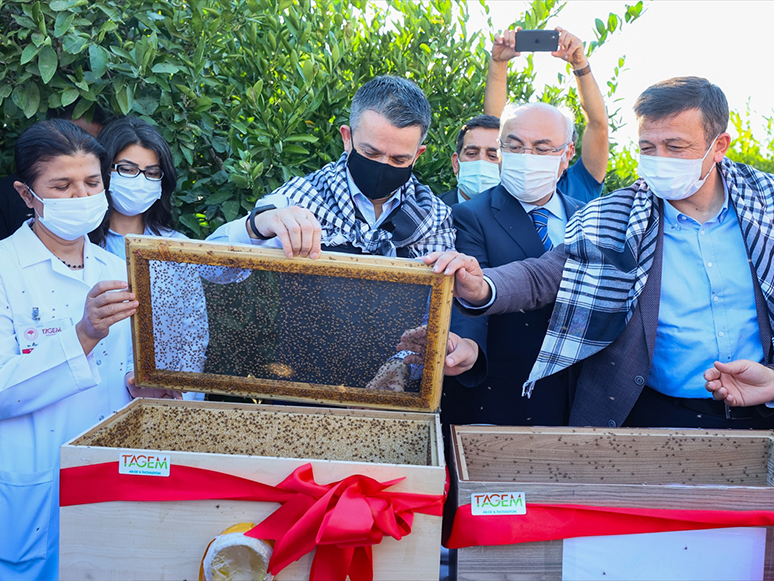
(246, 321)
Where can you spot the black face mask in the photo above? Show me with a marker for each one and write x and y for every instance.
(375, 179)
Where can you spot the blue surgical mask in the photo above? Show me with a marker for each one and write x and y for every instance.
(71, 218)
(477, 176)
(133, 196)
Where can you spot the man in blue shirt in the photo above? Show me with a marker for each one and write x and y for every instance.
(654, 282)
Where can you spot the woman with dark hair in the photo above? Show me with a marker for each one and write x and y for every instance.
(65, 341)
(142, 181)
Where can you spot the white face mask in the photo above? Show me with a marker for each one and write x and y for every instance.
(71, 218)
(529, 177)
(476, 176)
(133, 196)
(672, 178)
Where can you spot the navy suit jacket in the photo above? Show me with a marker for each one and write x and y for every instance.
(494, 228)
(449, 198)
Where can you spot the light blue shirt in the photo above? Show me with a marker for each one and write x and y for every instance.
(193, 357)
(557, 218)
(707, 311)
(114, 242)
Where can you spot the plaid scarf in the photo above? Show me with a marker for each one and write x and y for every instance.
(610, 246)
(421, 224)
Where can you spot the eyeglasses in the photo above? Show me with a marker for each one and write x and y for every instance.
(154, 174)
(537, 150)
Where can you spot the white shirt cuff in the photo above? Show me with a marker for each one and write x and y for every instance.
(467, 305)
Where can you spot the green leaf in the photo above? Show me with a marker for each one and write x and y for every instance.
(30, 52)
(60, 5)
(303, 137)
(19, 97)
(600, 26)
(63, 22)
(69, 96)
(238, 180)
(47, 64)
(98, 60)
(192, 223)
(219, 197)
(5, 90)
(296, 149)
(33, 100)
(81, 108)
(125, 99)
(230, 210)
(166, 68)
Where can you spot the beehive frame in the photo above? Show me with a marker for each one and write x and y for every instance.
(141, 250)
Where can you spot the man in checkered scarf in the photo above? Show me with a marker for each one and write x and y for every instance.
(367, 202)
(654, 282)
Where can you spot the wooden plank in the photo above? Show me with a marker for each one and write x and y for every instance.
(153, 540)
(524, 562)
(398, 439)
(597, 456)
(141, 250)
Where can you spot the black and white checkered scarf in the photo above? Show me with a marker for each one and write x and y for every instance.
(421, 224)
(610, 247)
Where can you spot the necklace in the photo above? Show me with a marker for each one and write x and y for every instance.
(72, 266)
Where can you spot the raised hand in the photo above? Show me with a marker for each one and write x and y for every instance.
(504, 47)
(570, 49)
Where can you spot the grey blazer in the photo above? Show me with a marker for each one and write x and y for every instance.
(610, 381)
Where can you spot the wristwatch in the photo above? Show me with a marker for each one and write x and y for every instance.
(584, 71)
(259, 209)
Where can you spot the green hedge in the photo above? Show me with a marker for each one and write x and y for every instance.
(251, 92)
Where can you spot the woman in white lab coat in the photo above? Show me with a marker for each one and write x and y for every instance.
(65, 342)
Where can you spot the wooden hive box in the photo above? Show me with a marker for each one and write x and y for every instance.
(275, 329)
(635, 468)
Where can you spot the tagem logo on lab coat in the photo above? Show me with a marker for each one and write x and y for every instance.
(144, 464)
(492, 503)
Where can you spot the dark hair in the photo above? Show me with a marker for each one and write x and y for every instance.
(398, 100)
(52, 138)
(674, 96)
(119, 134)
(485, 121)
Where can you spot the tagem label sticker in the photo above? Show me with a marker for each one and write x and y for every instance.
(491, 503)
(145, 464)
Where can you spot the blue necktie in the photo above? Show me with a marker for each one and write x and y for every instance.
(540, 220)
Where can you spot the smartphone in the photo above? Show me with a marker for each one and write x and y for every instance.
(537, 40)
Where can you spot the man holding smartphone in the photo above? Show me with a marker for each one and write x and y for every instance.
(523, 217)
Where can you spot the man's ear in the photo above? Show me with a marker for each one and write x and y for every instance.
(420, 151)
(455, 163)
(346, 137)
(569, 154)
(722, 143)
(24, 192)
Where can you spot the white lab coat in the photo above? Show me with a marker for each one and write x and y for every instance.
(51, 394)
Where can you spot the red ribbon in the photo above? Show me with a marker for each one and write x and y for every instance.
(341, 519)
(548, 522)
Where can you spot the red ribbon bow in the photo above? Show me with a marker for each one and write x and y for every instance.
(342, 519)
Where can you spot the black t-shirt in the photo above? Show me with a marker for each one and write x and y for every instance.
(13, 210)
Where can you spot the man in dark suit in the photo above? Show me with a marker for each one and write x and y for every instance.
(475, 161)
(654, 282)
(520, 218)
